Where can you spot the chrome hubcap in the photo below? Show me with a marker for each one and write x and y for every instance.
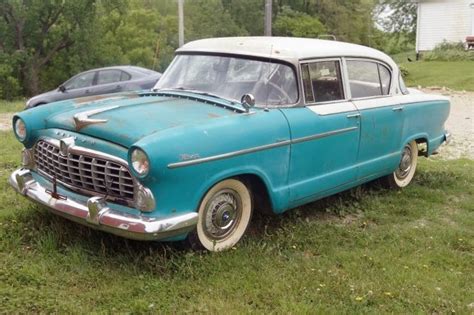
(222, 214)
(405, 163)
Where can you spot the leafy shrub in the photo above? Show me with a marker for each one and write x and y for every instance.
(449, 51)
(404, 71)
(9, 85)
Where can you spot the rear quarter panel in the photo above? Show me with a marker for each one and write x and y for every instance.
(424, 118)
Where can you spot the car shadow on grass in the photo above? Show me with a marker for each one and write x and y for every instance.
(37, 220)
(35, 229)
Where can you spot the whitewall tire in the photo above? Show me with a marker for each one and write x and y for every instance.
(224, 215)
(405, 171)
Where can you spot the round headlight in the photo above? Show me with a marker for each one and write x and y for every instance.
(140, 162)
(20, 129)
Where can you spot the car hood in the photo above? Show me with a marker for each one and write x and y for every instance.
(125, 119)
(41, 97)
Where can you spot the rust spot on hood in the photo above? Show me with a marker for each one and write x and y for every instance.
(96, 98)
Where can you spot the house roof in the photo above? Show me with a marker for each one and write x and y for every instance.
(290, 49)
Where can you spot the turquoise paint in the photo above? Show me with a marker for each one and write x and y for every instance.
(381, 137)
(174, 128)
(320, 164)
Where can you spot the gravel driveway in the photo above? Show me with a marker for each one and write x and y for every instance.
(460, 124)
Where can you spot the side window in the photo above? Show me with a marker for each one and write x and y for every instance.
(80, 81)
(322, 81)
(125, 76)
(108, 76)
(367, 78)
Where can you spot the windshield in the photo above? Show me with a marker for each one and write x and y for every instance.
(229, 77)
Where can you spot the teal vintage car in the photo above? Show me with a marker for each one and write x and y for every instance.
(234, 126)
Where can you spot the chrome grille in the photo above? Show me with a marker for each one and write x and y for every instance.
(83, 172)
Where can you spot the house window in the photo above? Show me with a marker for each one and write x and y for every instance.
(322, 81)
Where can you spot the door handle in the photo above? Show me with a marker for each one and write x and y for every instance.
(353, 115)
(397, 109)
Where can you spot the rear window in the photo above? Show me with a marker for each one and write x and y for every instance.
(368, 79)
(109, 76)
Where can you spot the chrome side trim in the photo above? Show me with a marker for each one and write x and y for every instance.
(100, 215)
(323, 135)
(229, 154)
(259, 148)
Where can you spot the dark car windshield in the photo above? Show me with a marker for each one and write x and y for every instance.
(270, 83)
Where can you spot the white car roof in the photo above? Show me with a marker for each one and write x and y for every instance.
(290, 49)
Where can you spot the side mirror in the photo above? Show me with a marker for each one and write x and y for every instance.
(248, 101)
(62, 88)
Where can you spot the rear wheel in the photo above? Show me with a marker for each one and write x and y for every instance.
(405, 171)
(224, 215)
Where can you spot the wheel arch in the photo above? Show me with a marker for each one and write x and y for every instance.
(420, 138)
(257, 182)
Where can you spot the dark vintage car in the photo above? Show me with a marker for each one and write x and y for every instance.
(99, 81)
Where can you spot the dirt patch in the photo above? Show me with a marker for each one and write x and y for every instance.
(6, 121)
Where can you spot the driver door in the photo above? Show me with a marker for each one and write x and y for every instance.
(324, 134)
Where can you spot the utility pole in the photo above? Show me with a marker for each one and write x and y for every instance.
(181, 22)
(268, 17)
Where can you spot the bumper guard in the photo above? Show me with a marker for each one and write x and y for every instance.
(98, 215)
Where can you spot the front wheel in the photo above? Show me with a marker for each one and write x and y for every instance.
(224, 215)
(406, 169)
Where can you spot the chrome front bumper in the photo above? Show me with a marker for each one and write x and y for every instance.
(97, 214)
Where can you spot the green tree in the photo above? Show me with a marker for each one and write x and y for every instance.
(33, 32)
(398, 15)
(247, 14)
(209, 18)
(298, 24)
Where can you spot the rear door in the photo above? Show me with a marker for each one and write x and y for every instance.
(110, 81)
(381, 116)
(324, 133)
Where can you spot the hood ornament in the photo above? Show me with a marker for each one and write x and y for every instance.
(82, 119)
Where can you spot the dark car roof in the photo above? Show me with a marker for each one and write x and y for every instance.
(128, 68)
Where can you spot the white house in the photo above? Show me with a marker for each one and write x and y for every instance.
(439, 20)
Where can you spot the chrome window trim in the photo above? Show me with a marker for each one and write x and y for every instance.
(342, 69)
(376, 61)
(260, 148)
(293, 66)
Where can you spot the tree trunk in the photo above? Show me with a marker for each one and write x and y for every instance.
(31, 79)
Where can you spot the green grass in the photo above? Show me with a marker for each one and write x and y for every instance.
(456, 75)
(11, 107)
(365, 251)
(401, 58)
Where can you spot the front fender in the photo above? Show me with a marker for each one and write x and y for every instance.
(179, 189)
